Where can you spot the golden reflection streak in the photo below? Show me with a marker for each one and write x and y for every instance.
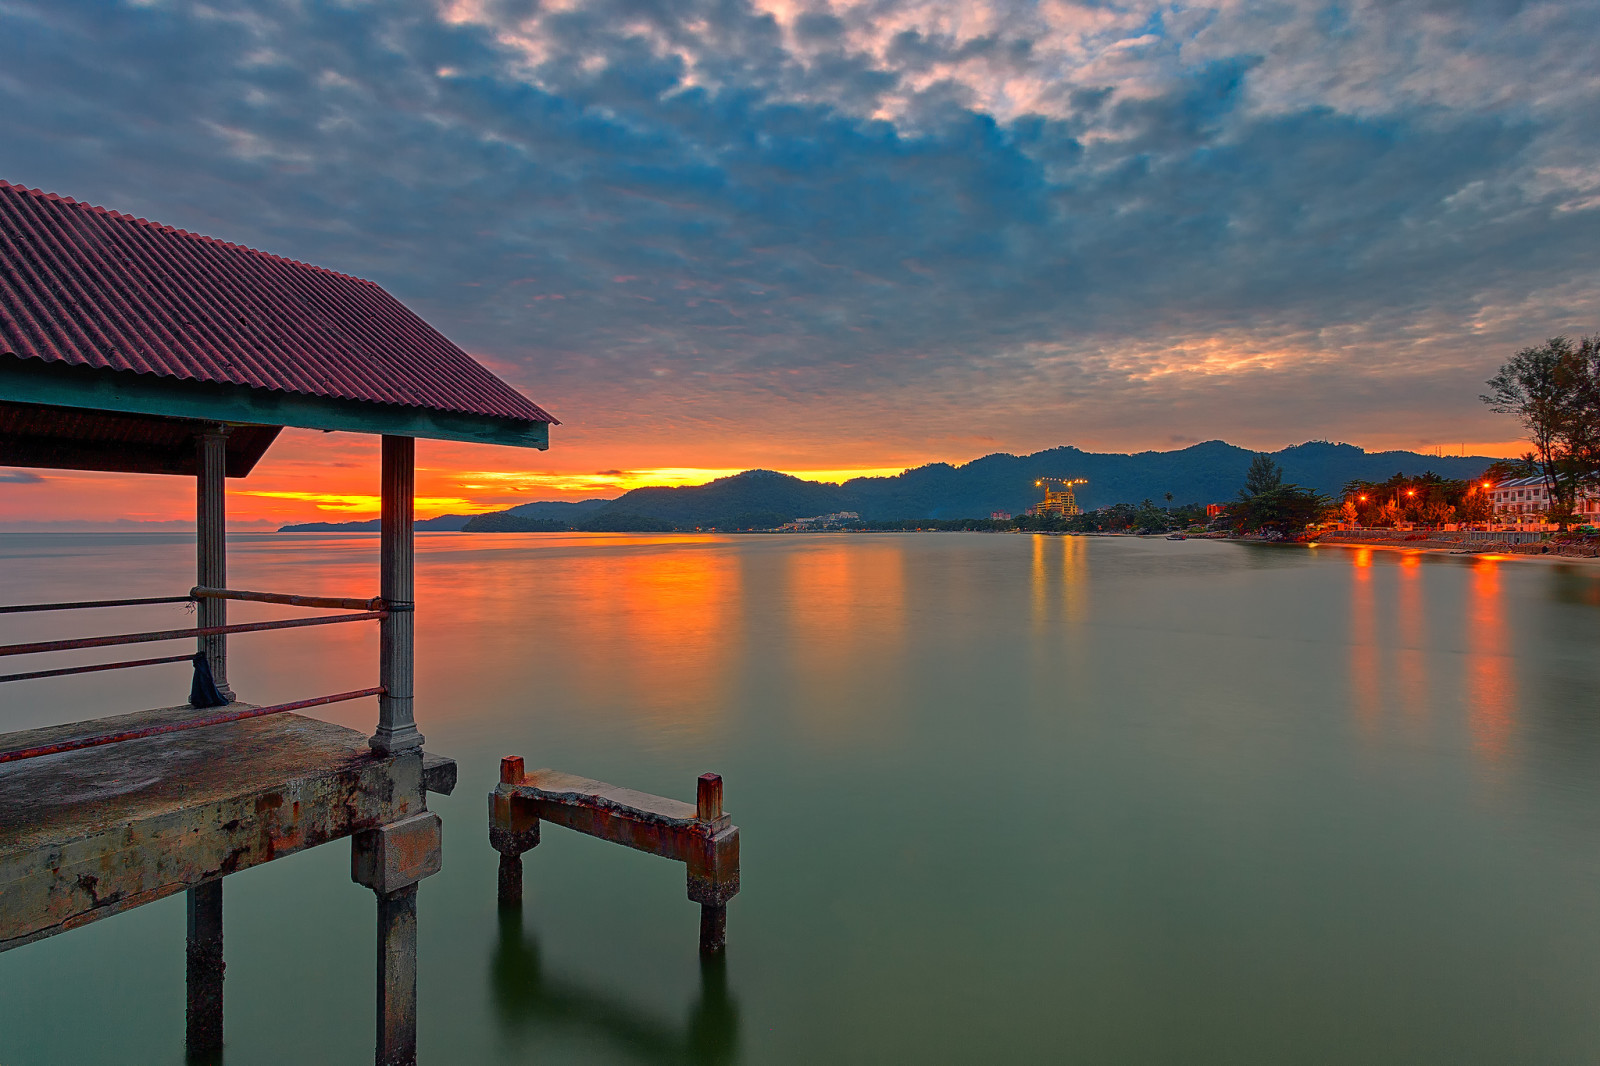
(1075, 577)
(657, 626)
(1040, 587)
(1491, 685)
(1365, 670)
(847, 613)
(1412, 660)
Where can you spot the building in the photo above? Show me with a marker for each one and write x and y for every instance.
(1059, 501)
(999, 516)
(1526, 499)
(822, 521)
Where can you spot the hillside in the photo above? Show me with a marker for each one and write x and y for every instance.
(544, 511)
(1203, 473)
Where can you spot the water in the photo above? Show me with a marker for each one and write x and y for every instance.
(1003, 799)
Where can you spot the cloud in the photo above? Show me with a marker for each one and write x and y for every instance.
(19, 477)
(880, 217)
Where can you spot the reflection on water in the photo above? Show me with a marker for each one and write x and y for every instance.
(1365, 669)
(1002, 798)
(1491, 680)
(845, 638)
(531, 1001)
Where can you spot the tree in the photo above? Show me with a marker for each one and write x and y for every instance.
(1266, 503)
(1264, 475)
(1554, 391)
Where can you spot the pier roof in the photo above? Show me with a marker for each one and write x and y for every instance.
(100, 310)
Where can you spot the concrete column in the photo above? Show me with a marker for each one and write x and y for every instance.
(203, 1031)
(391, 860)
(397, 977)
(211, 548)
(397, 727)
(709, 888)
(513, 829)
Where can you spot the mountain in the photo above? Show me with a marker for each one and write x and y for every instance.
(1203, 473)
(728, 498)
(555, 510)
(446, 522)
(545, 511)
(1211, 472)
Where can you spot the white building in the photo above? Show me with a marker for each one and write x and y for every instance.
(1519, 496)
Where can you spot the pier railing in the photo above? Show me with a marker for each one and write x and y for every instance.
(372, 608)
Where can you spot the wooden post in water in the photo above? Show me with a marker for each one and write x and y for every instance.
(397, 726)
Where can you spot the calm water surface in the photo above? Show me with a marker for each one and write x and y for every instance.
(1003, 798)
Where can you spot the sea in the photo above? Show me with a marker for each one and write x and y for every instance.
(1003, 799)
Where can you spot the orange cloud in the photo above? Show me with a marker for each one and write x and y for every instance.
(353, 504)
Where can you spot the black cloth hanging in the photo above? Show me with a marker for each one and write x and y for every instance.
(203, 691)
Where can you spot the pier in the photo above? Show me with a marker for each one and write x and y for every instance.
(699, 835)
(133, 347)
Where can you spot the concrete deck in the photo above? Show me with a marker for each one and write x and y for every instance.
(89, 833)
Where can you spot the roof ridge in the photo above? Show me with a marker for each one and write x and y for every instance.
(163, 227)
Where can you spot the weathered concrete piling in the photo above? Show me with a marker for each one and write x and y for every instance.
(203, 1016)
(700, 836)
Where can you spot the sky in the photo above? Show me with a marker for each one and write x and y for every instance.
(858, 235)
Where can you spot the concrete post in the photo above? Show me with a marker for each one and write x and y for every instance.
(203, 1029)
(391, 860)
(513, 829)
(211, 548)
(713, 905)
(397, 727)
(397, 977)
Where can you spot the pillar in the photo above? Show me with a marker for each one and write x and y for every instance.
(391, 860)
(203, 1028)
(397, 978)
(397, 727)
(211, 548)
(713, 867)
(513, 829)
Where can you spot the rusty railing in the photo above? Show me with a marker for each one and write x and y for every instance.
(363, 609)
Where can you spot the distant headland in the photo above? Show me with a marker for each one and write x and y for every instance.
(761, 499)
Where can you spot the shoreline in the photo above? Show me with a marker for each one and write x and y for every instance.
(1489, 553)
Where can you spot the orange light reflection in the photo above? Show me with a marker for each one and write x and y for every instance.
(847, 613)
(1365, 670)
(1491, 684)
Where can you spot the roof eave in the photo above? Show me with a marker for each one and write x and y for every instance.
(33, 381)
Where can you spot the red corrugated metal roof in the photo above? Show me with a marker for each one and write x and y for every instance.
(89, 287)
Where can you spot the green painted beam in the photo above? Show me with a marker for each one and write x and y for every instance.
(31, 381)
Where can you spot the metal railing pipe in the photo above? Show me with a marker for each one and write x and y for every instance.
(24, 608)
(180, 634)
(348, 603)
(93, 668)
